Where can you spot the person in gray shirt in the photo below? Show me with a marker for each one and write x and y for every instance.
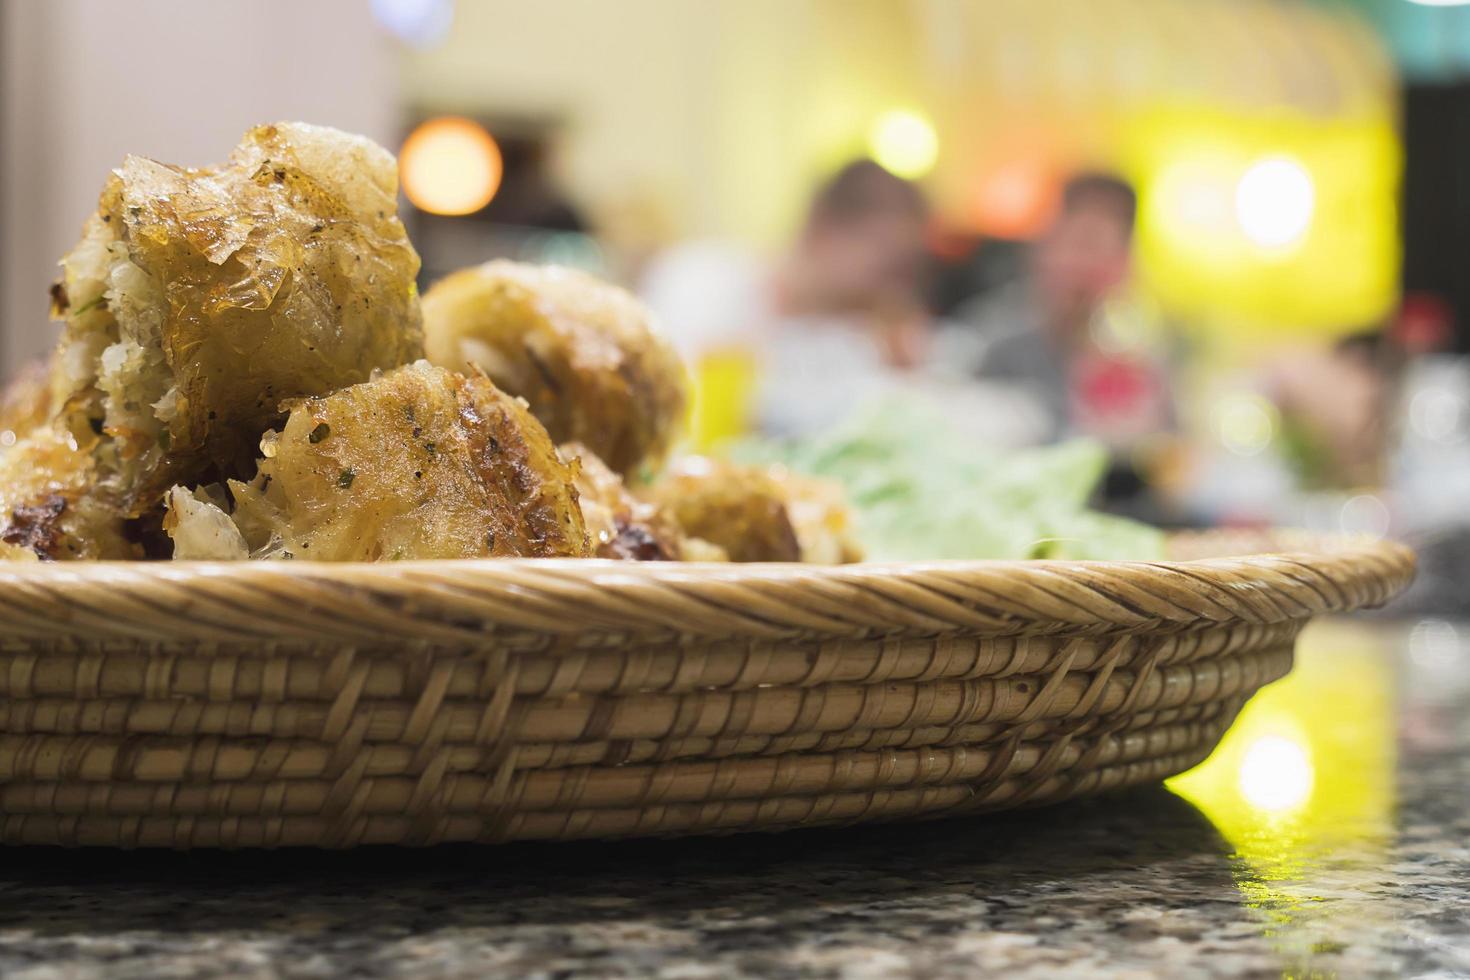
(1048, 332)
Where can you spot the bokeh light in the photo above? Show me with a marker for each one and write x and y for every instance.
(904, 143)
(1434, 643)
(1436, 414)
(450, 165)
(1365, 514)
(1276, 774)
(1244, 422)
(421, 23)
(1274, 201)
(1014, 199)
(1252, 226)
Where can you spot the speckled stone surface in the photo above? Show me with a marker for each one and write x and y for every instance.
(1143, 884)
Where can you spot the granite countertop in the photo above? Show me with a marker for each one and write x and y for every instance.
(1329, 835)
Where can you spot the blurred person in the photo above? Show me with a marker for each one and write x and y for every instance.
(1303, 437)
(1334, 402)
(1062, 332)
(833, 322)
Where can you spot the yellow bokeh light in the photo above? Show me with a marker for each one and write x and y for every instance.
(1274, 202)
(450, 165)
(1254, 224)
(1302, 787)
(1276, 774)
(904, 143)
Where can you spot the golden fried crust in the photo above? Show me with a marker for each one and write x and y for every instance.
(739, 508)
(417, 463)
(820, 516)
(621, 526)
(13, 552)
(51, 505)
(25, 403)
(199, 300)
(581, 351)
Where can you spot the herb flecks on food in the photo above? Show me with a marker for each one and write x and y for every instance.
(99, 300)
(345, 478)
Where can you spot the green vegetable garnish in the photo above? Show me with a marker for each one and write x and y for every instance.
(921, 489)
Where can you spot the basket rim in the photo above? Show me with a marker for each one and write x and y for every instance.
(454, 602)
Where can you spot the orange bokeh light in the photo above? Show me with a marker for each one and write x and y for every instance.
(1014, 200)
(450, 165)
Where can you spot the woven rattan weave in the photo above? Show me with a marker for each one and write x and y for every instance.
(281, 703)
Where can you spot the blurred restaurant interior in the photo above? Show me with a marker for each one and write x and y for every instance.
(1223, 237)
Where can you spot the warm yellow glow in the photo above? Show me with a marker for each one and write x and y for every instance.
(724, 395)
(1274, 201)
(1251, 223)
(450, 165)
(1317, 747)
(904, 142)
(1276, 774)
(1302, 786)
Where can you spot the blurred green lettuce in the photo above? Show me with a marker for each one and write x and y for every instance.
(922, 489)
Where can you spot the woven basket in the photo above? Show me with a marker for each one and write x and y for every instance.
(278, 703)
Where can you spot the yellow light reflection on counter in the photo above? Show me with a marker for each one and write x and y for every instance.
(1302, 787)
(1276, 774)
(1315, 749)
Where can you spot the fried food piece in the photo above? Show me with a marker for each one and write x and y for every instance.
(623, 527)
(820, 516)
(25, 403)
(200, 527)
(14, 552)
(581, 351)
(198, 300)
(51, 505)
(741, 509)
(758, 513)
(416, 463)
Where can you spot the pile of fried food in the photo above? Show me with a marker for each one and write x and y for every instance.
(246, 370)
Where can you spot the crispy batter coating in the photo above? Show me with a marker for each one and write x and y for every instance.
(200, 527)
(820, 516)
(742, 509)
(198, 300)
(758, 513)
(25, 403)
(51, 505)
(416, 463)
(581, 351)
(14, 552)
(623, 527)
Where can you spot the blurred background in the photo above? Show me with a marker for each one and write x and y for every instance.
(1223, 237)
